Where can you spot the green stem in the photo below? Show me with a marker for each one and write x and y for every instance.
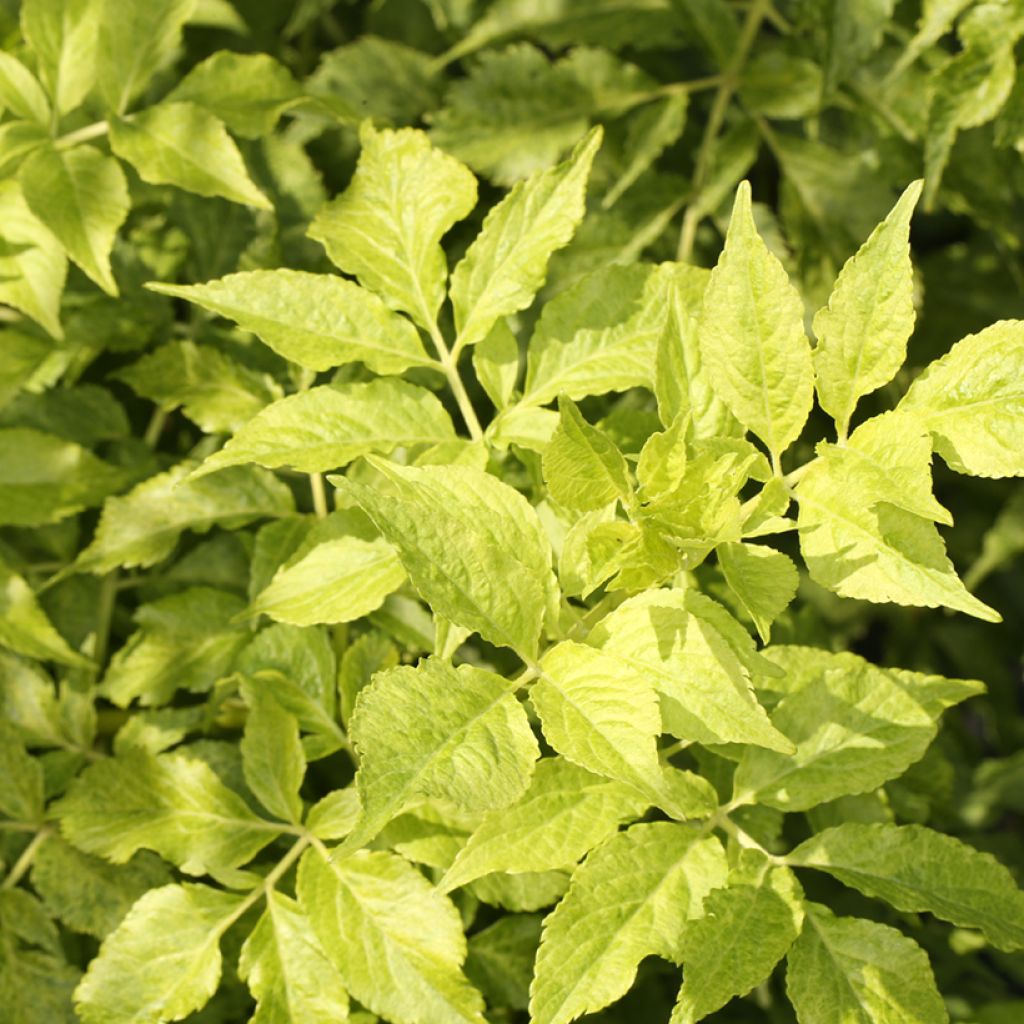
(24, 862)
(90, 131)
(449, 366)
(730, 80)
(271, 880)
(104, 618)
(673, 748)
(316, 486)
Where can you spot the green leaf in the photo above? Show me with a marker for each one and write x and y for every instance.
(583, 469)
(472, 546)
(287, 971)
(188, 640)
(82, 197)
(21, 357)
(699, 660)
(745, 928)
(339, 580)
(655, 128)
(386, 227)
(507, 262)
(599, 335)
(32, 262)
(142, 527)
(21, 796)
(163, 962)
(28, 701)
(844, 969)
(514, 114)
(972, 402)
(633, 897)
(856, 538)
(44, 478)
(436, 731)
(752, 337)
(968, 89)
(217, 393)
(272, 756)
(184, 145)
(396, 941)
(316, 320)
(853, 725)
(682, 383)
(852, 34)
(20, 91)
(135, 37)
(764, 580)
(500, 959)
(88, 894)
(862, 333)
(63, 35)
(382, 79)
(496, 364)
(566, 812)
(24, 626)
(918, 869)
(601, 718)
(247, 91)
(327, 427)
(169, 803)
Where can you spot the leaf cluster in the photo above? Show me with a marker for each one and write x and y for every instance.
(475, 486)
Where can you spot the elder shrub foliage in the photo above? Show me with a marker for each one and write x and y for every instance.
(475, 486)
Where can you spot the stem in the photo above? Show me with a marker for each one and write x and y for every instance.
(24, 862)
(449, 365)
(730, 79)
(316, 485)
(673, 748)
(746, 839)
(271, 880)
(90, 131)
(104, 617)
(155, 427)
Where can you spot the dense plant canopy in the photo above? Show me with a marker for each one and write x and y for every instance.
(475, 486)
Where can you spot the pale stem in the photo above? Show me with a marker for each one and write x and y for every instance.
(730, 80)
(316, 486)
(24, 862)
